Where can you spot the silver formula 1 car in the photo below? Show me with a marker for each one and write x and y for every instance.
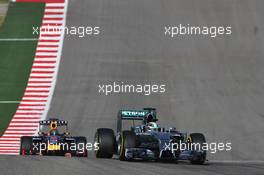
(148, 141)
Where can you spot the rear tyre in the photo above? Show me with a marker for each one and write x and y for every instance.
(106, 143)
(127, 140)
(81, 147)
(199, 157)
(25, 145)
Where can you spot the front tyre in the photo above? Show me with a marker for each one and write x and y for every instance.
(106, 143)
(25, 145)
(127, 140)
(81, 147)
(199, 155)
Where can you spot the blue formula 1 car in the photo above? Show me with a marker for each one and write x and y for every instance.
(148, 141)
(53, 139)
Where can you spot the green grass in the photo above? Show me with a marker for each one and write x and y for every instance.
(2, 18)
(16, 57)
(4, 1)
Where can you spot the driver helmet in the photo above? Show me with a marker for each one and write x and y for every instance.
(54, 132)
(152, 126)
(149, 118)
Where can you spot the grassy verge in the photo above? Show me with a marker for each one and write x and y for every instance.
(16, 57)
(2, 18)
(4, 1)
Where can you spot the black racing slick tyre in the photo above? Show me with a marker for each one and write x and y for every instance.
(25, 145)
(198, 138)
(105, 139)
(81, 147)
(127, 140)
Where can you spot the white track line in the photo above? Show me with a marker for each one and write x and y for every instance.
(19, 39)
(9, 102)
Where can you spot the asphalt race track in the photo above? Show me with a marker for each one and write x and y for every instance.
(213, 85)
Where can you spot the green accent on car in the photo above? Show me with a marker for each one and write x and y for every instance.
(133, 113)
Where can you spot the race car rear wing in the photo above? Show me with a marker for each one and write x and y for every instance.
(143, 115)
(133, 114)
(49, 121)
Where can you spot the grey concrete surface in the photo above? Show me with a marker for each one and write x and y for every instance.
(64, 166)
(214, 86)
